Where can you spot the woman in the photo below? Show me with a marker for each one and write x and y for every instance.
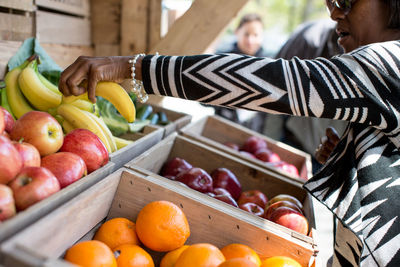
(359, 182)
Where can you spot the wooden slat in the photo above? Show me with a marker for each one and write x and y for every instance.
(8, 49)
(102, 50)
(76, 7)
(15, 27)
(26, 5)
(65, 55)
(134, 27)
(154, 33)
(105, 19)
(62, 29)
(198, 27)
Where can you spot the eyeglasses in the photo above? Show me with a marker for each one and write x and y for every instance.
(344, 5)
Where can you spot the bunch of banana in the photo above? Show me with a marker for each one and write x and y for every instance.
(42, 96)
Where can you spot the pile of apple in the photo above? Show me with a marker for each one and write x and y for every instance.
(256, 148)
(37, 160)
(222, 184)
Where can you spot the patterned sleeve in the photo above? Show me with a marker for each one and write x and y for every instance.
(363, 86)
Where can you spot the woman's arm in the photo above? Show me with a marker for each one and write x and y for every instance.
(361, 87)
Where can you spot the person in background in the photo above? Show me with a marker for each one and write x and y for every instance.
(310, 40)
(359, 182)
(249, 38)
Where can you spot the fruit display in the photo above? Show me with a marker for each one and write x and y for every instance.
(248, 145)
(223, 185)
(155, 221)
(161, 226)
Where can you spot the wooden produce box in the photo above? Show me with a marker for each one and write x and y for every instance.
(178, 120)
(215, 131)
(150, 136)
(250, 176)
(25, 218)
(123, 194)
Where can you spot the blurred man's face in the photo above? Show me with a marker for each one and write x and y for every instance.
(249, 37)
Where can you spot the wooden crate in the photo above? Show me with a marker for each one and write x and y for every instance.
(250, 176)
(215, 130)
(178, 120)
(142, 141)
(123, 194)
(74, 7)
(25, 218)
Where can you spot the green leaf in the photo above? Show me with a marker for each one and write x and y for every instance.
(47, 66)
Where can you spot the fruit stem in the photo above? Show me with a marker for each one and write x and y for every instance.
(26, 180)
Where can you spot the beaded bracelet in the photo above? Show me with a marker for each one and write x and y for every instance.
(137, 86)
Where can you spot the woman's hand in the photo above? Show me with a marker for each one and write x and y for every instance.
(327, 145)
(91, 70)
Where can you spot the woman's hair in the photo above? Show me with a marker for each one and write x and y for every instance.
(249, 18)
(394, 13)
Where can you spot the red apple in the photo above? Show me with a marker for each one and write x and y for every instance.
(253, 144)
(252, 208)
(39, 129)
(267, 155)
(232, 145)
(66, 166)
(285, 197)
(253, 196)
(287, 167)
(174, 166)
(197, 179)
(8, 120)
(2, 121)
(247, 154)
(10, 160)
(32, 185)
(7, 205)
(290, 218)
(224, 178)
(283, 203)
(88, 146)
(29, 154)
(223, 195)
(5, 134)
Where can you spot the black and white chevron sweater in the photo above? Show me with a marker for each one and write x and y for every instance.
(360, 183)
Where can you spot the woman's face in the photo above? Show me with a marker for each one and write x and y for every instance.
(364, 24)
(249, 37)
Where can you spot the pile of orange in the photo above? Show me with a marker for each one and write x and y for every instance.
(161, 226)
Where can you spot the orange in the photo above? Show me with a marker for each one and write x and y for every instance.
(200, 255)
(162, 226)
(238, 262)
(171, 257)
(91, 253)
(280, 261)
(132, 256)
(232, 251)
(116, 232)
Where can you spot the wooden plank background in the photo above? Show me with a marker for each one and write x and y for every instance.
(26, 5)
(77, 7)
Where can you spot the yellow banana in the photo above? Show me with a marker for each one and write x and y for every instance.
(86, 105)
(48, 84)
(18, 103)
(35, 91)
(106, 131)
(114, 93)
(79, 119)
(67, 126)
(120, 142)
(117, 95)
(72, 98)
